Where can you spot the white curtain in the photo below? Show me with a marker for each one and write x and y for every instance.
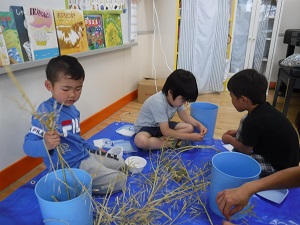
(203, 41)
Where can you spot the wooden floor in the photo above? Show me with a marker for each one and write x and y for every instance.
(228, 118)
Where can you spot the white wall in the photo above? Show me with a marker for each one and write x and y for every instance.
(165, 37)
(290, 19)
(109, 77)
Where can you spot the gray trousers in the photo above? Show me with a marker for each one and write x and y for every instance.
(105, 172)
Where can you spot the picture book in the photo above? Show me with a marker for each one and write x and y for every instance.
(112, 29)
(22, 31)
(4, 60)
(41, 32)
(78, 4)
(108, 4)
(85, 4)
(71, 32)
(11, 37)
(94, 31)
(116, 5)
(97, 4)
(102, 4)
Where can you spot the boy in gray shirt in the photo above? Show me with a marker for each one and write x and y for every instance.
(154, 119)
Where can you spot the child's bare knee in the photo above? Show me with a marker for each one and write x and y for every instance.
(140, 141)
(190, 128)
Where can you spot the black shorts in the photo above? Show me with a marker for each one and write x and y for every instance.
(155, 131)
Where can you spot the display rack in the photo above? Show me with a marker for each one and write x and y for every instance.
(36, 63)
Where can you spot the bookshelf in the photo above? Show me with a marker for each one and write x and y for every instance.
(127, 44)
(42, 62)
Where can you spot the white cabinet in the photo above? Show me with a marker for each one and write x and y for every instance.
(255, 35)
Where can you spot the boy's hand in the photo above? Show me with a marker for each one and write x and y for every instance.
(196, 136)
(226, 138)
(231, 132)
(202, 129)
(231, 201)
(52, 139)
(102, 151)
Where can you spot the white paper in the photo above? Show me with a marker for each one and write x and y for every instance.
(229, 147)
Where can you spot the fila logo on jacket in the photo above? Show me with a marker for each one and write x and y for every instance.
(66, 126)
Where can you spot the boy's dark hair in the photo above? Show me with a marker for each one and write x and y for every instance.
(64, 65)
(250, 84)
(181, 82)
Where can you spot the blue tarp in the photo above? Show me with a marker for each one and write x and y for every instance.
(21, 207)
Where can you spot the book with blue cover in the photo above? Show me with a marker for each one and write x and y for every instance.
(11, 37)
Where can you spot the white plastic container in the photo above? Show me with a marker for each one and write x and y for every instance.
(135, 164)
(115, 151)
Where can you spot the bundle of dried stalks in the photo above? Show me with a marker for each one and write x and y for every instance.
(171, 184)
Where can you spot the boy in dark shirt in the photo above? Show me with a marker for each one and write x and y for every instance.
(267, 135)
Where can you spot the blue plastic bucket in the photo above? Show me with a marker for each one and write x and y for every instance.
(230, 170)
(73, 210)
(206, 113)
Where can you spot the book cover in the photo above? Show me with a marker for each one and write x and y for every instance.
(116, 5)
(41, 32)
(71, 32)
(4, 60)
(94, 31)
(11, 37)
(85, 4)
(102, 4)
(108, 4)
(78, 4)
(97, 5)
(112, 30)
(22, 31)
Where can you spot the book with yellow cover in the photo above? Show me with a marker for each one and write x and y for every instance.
(71, 31)
(112, 30)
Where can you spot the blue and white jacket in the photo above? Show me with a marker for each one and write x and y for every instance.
(68, 126)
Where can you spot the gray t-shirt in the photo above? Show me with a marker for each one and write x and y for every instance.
(155, 110)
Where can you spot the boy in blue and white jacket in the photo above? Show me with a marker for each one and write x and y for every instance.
(65, 77)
